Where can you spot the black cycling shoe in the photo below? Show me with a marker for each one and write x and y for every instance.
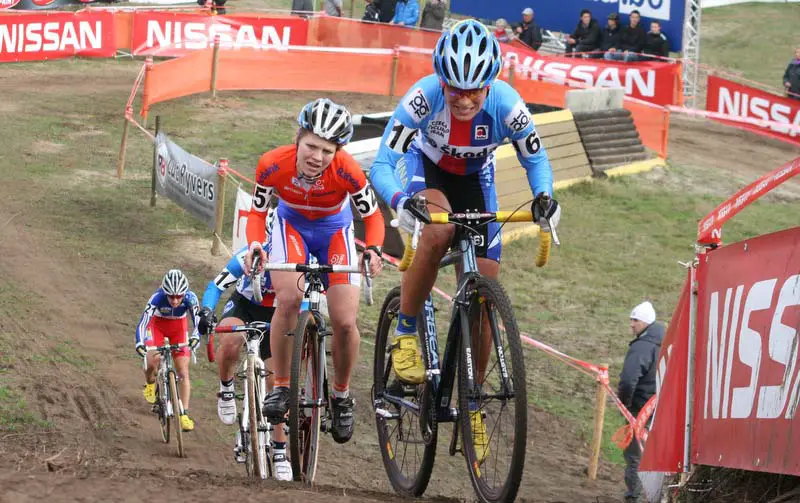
(276, 405)
(343, 419)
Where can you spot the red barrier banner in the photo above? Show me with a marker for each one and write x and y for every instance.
(730, 98)
(747, 378)
(41, 36)
(709, 230)
(177, 34)
(664, 450)
(652, 81)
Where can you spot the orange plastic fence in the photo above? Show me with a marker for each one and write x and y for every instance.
(253, 69)
(652, 122)
(177, 77)
(342, 32)
(362, 72)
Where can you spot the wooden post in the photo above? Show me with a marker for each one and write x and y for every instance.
(148, 68)
(352, 8)
(155, 164)
(123, 146)
(214, 63)
(395, 62)
(222, 174)
(511, 74)
(599, 416)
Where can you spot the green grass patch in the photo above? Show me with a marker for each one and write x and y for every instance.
(15, 414)
(753, 40)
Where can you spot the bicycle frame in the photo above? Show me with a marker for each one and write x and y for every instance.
(165, 366)
(252, 349)
(441, 383)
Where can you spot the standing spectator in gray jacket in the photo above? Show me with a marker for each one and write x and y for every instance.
(528, 31)
(637, 383)
(333, 8)
(791, 77)
(433, 15)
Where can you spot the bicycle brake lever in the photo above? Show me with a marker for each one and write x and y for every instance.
(553, 233)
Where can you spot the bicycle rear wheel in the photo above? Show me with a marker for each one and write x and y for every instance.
(306, 399)
(407, 457)
(258, 450)
(493, 414)
(176, 411)
(163, 417)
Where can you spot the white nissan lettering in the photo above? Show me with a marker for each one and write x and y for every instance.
(201, 35)
(51, 37)
(730, 343)
(742, 104)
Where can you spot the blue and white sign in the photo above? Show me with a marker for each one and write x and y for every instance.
(563, 15)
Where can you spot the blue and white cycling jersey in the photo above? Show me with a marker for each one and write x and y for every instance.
(158, 306)
(459, 147)
(234, 273)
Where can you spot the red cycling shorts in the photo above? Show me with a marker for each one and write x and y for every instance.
(173, 329)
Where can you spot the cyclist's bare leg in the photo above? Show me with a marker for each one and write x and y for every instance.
(182, 367)
(153, 359)
(284, 321)
(343, 310)
(229, 349)
(278, 434)
(418, 279)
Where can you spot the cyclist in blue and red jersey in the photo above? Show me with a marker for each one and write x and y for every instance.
(165, 316)
(440, 144)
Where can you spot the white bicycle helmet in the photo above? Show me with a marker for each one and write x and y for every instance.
(327, 120)
(175, 283)
(467, 56)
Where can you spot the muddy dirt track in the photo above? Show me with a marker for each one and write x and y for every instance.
(103, 445)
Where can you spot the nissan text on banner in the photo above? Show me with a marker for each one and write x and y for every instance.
(563, 15)
(179, 33)
(188, 180)
(747, 377)
(731, 98)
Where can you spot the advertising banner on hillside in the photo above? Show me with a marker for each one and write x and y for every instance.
(747, 377)
(243, 203)
(564, 15)
(178, 33)
(730, 98)
(53, 35)
(653, 81)
(188, 180)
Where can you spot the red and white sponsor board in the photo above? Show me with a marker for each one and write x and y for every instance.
(664, 451)
(730, 98)
(747, 377)
(653, 81)
(176, 34)
(709, 230)
(35, 37)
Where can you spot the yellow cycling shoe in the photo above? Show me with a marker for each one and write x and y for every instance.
(149, 392)
(186, 423)
(407, 360)
(479, 437)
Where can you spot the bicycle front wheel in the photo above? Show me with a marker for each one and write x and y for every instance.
(407, 457)
(306, 398)
(162, 398)
(493, 400)
(258, 450)
(176, 411)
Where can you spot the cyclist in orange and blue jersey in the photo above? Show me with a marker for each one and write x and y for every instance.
(314, 180)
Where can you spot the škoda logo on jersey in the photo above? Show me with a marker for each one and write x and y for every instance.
(416, 105)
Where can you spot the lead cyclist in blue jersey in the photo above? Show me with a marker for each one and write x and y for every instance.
(440, 144)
